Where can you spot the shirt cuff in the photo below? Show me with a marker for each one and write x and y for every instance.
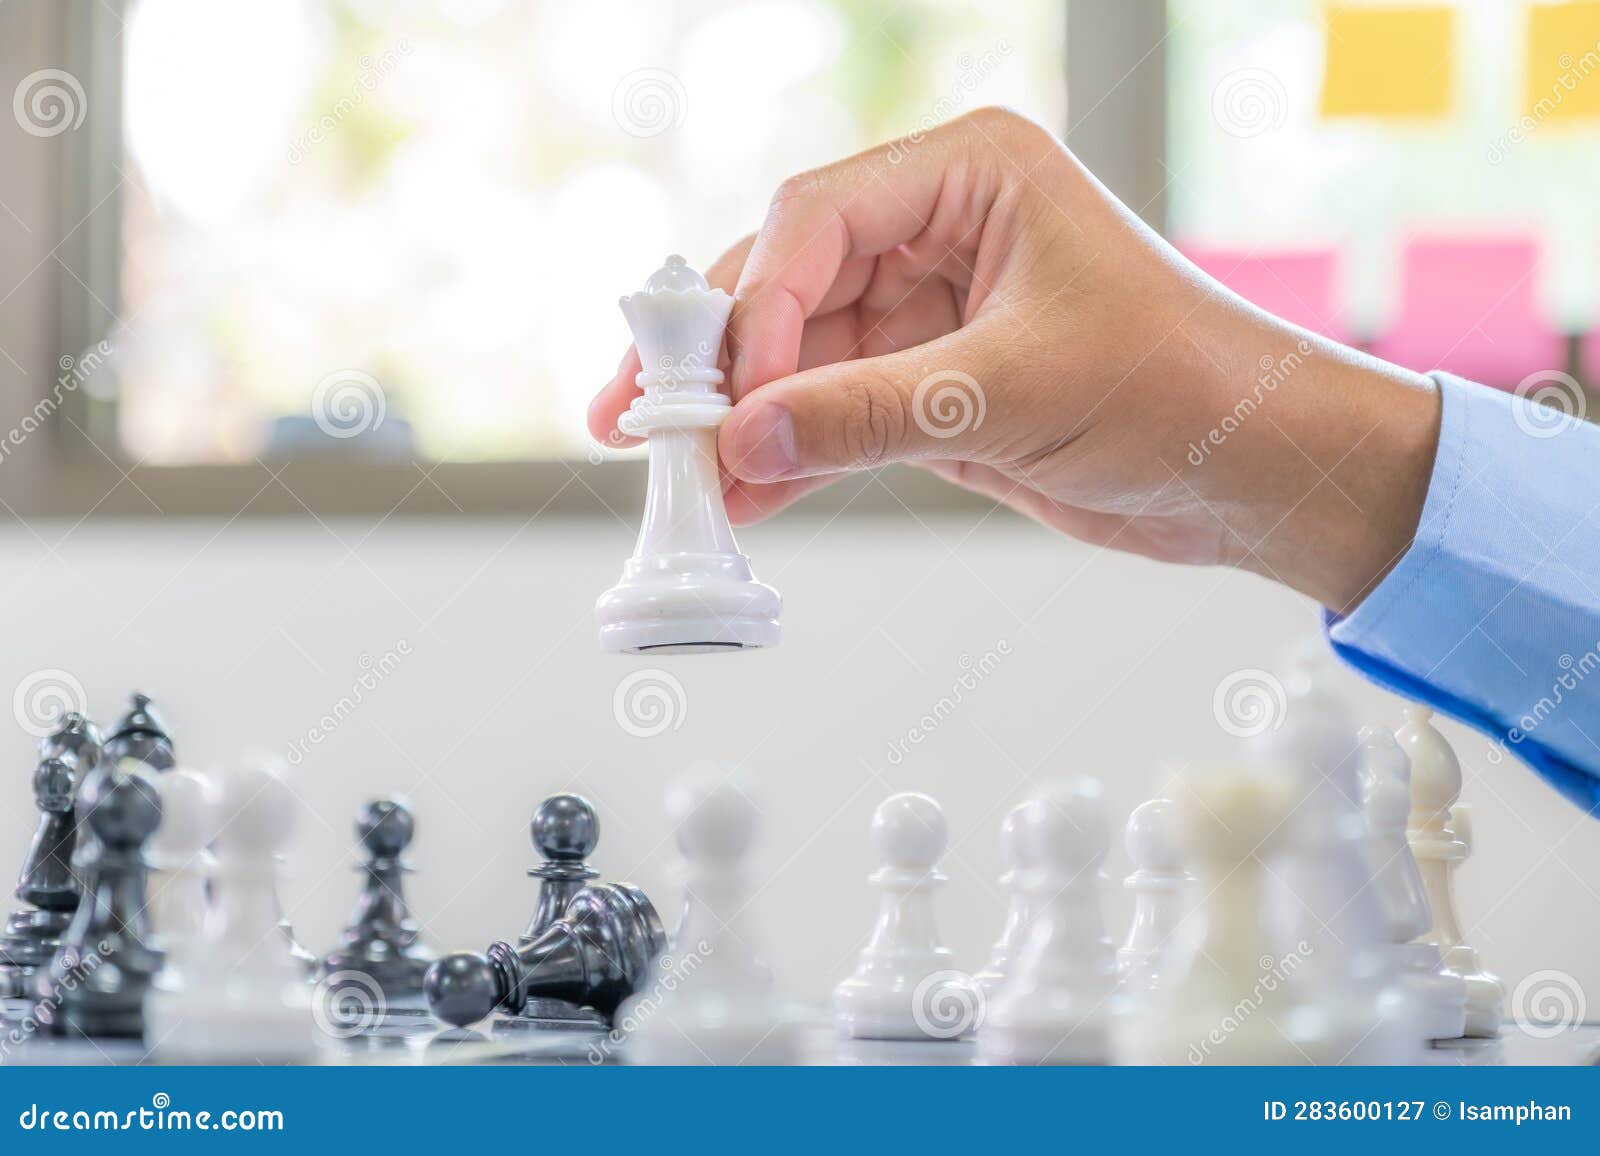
(1493, 616)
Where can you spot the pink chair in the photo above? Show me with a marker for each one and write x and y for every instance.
(1298, 286)
(1468, 305)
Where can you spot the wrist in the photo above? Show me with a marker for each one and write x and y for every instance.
(1351, 459)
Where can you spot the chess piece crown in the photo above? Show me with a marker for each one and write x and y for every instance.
(687, 588)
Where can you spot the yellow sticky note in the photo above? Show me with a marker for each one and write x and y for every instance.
(1563, 66)
(1390, 63)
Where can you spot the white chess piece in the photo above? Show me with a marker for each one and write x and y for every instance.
(1161, 891)
(1016, 854)
(244, 995)
(710, 998)
(904, 987)
(1226, 996)
(1438, 995)
(1356, 1012)
(181, 862)
(1057, 1005)
(686, 588)
(1436, 840)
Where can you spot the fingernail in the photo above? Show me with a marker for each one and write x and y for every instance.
(763, 445)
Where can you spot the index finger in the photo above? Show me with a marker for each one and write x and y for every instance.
(818, 222)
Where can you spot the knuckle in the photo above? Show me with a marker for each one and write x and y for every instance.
(875, 423)
(797, 189)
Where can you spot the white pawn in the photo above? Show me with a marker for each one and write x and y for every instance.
(903, 987)
(1436, 840)
(1056, 1006)
(181, 863)
(245, 995)
(1438, 995)
(1160, 886)
(709, 999)
(1224, 997)
(1017, 856)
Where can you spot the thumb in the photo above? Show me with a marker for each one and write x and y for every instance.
(918, 403)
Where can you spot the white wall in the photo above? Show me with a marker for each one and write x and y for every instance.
(250, 632)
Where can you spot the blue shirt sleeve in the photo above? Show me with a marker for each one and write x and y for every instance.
(1493, 615)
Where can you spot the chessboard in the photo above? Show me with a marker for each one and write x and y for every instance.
(149, 931)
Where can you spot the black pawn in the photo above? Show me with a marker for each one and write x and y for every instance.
(47, 887)
(97, 981)
(565, 831)
(141, 734)
(595, 956)
(381, 941)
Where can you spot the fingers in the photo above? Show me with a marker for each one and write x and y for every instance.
(751, 502)
(919, 403)
(817, 247)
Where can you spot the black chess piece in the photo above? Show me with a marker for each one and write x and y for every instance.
(595, 955)
(565, 831)
(47, 887)
(381, 940)
(141, 734)
(96, 984)
(76, 740)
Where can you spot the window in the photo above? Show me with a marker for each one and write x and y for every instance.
(356, 229)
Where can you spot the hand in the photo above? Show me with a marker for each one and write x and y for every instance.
(976, 303)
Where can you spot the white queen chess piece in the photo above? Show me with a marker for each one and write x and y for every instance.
(686, 589)
(904, 986)
(1435, 833)
(1438, 995)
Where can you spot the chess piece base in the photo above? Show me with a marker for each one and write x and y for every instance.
(687, 604)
